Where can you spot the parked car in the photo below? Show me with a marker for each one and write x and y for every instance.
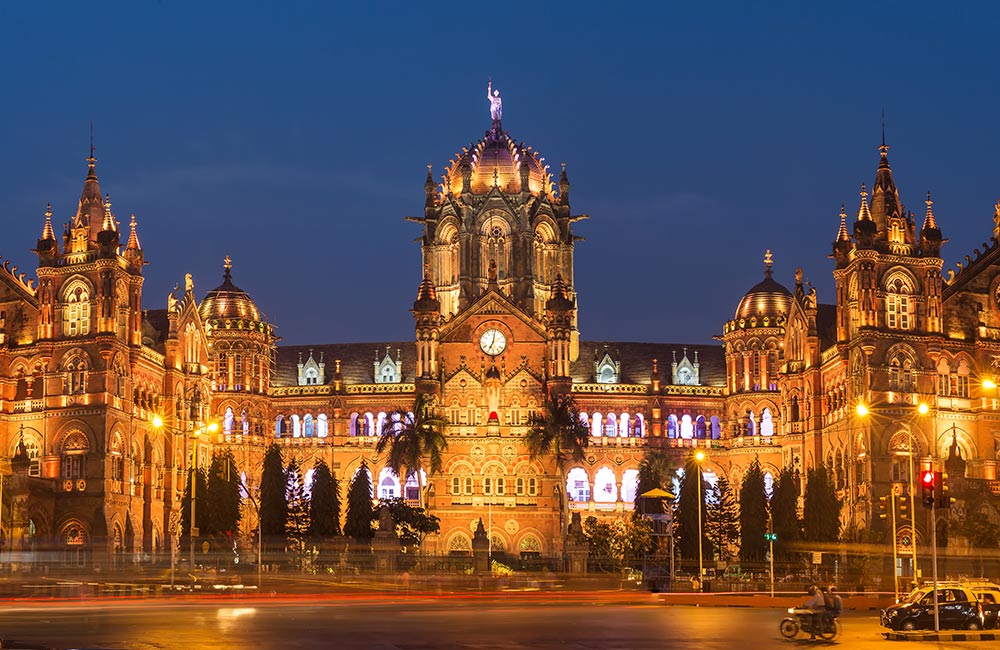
(958, 608)
(989, 597)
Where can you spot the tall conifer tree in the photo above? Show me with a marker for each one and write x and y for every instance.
(358, 523)
(821, 513)
(273, 503)
(324, 513)
(753, 515)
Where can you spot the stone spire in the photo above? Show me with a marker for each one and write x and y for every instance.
(108, 223)
(47, 232)
(929, 221)
(865, 227)
(563, 186)
(842, 235)
(863, 211)
(90, 212)
(841, 247)
(133, 237)
(429, 189)
(47, 247)
(930, 234)
(885, 196)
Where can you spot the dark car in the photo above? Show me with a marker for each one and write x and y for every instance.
(989, 596)
(958, 608)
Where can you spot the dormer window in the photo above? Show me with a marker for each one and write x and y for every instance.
(607, 370)
(387, 370)
(685, 373)
(311, 373)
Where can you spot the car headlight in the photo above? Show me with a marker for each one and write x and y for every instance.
(791, 610)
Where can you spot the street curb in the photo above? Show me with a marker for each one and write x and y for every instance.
(942, 636)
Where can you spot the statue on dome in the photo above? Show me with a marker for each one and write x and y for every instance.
(496, 104)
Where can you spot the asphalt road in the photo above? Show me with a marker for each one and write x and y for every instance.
(417, 622)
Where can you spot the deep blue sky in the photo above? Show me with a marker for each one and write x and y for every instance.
(294, 137)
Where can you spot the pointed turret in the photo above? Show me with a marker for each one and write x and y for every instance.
(560, 300)
(563, 186)
(90, 213)
(930, 234)
(885, 196)
(843, 245)
(865, 227)
(426, 294)
(133, 251)
(47, 247)
(429, 189)
(108, 237)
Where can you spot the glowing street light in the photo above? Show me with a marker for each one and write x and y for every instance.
(698, 457)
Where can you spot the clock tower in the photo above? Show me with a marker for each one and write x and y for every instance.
(496, 329)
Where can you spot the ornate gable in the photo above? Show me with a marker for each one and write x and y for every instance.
(685, 372)
(388, 371)
(311, 372)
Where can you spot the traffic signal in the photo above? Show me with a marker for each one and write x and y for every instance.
(943, 500)
(904, 510)
(928, 480)
(883, 507)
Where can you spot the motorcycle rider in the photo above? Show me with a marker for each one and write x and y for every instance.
(816, 606)
(834, 605)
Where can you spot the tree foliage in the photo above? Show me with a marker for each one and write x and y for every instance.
(222, 496)
(753, 515)
(412, 524)
(785, 512)
(412, 436)
(297, 524)
(620, 543)
(655, 471)
(273, 504)
(324, 505)
(722, 521)
(686, 527)
(358, 523)
(821, 512)
(559, 432)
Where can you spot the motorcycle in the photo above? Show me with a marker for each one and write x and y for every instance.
(801, 620)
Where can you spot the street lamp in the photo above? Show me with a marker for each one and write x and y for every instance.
(698, 457)
(212, 427)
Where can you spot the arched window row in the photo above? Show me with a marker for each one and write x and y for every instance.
(752, 424)
(296, 426)
(698, 428)
(606, 487)
(611, 425)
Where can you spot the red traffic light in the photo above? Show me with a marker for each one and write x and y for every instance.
(927, 484)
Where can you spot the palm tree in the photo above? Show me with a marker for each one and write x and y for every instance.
(558, 431)
(412, 436)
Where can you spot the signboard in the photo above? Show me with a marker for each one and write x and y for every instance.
(817, 558)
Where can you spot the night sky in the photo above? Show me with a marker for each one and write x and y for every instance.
(294, 137)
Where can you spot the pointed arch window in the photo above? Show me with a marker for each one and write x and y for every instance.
(898, 303)
(76, 309)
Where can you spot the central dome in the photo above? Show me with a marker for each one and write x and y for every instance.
(497, 160)
(227, 301)
(766, 298)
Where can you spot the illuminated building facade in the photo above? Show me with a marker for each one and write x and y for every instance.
(84, 366)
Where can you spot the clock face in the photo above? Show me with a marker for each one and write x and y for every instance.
(493, 342)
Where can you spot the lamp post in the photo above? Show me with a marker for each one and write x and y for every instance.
(698, 457)
(212, 427)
